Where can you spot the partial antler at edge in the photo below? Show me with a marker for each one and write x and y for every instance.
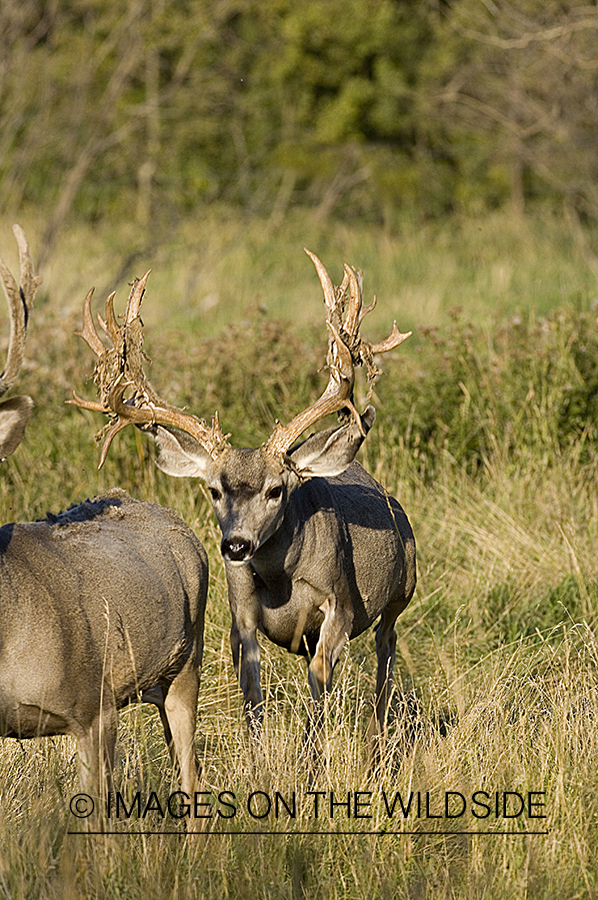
(20, 300)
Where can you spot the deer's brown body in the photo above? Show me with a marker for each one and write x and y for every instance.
(97, 605)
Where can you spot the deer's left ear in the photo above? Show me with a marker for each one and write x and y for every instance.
(329, 452)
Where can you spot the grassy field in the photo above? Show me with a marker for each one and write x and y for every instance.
(486, 433)
(209, 268)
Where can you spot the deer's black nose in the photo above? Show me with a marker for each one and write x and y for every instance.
(236, 549)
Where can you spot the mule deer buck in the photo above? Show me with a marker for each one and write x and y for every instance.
(98, 605)
(315, 549)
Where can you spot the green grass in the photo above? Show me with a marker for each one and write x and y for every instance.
(485, 432)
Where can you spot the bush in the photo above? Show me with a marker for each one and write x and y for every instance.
(527, 389)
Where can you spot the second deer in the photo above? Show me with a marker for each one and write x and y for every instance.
(315, 550)
(99, 606)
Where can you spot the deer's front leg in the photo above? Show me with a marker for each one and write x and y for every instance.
(244, 608)
(334, 634)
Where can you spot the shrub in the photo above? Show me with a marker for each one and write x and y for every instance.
(527, 389)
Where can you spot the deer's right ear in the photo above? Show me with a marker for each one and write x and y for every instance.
(14, 415)
(180, 454)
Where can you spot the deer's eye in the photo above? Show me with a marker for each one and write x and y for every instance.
(215, 494)
(275, 493)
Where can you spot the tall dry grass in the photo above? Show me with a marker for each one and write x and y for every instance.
(496, 705)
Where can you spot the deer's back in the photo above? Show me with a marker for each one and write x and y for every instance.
(109, 595)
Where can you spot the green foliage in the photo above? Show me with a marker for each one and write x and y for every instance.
(527, 389)
(508, 617)
(368, 110)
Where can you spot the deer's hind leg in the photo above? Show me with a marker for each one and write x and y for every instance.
(179, 716)
(386, 641)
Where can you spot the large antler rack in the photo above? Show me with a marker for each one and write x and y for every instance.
(119, 370)
(20, 302)
(346, 349)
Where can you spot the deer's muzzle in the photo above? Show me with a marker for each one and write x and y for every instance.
(236, 549)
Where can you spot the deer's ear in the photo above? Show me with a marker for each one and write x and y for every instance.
(180, 454)
(329, 452)
(14, 415)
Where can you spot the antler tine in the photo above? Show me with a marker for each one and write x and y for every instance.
(119, 369)
(338, 393)
(356, 314)
(393, 340)
(29, 280)
(355, 305)
(367, 309)
(88, 332)
(109, 325)
(330, 294)
(20, 301)
(111, 433)
(135, 298)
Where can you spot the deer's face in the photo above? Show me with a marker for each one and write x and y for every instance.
(249, 491)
